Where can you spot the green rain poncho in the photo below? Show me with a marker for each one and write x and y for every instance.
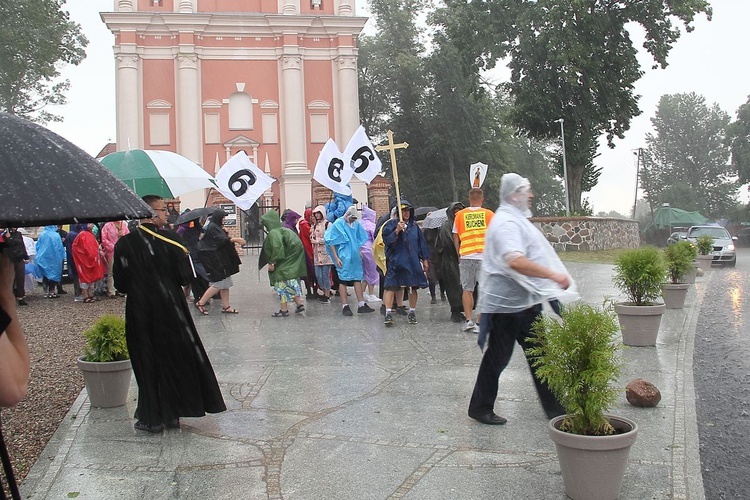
(283, 248)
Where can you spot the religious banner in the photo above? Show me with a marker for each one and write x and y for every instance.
(477, 173)
(362, 158)
(331, 171)
(242, 181)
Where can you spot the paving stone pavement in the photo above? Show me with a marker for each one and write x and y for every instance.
(326, 407)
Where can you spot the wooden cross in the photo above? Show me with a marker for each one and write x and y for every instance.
(392, 148)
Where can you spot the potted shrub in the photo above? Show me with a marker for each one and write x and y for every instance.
(705, 245)
(679, 260)
(105, 362)
(578, 358)
(639, 274)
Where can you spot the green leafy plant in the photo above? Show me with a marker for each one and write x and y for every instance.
(578, 358)
(105, 340)
(705, 244)
(679, 260)
(639, 274)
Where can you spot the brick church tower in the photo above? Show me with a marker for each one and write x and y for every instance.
(207, 78)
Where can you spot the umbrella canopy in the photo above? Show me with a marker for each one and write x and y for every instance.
(195, 214)
(668, 217)
(435, 219)
(421, 212)
(162, 173)
(48, 180)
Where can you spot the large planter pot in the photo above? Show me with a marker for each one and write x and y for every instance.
(593, 466)
(107, 383)
(704, 261)
(674, 294)
(639, 324)
(690, 276)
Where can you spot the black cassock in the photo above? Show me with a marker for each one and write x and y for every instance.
(174, 375)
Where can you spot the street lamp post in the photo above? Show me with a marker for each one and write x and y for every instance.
(565, 166)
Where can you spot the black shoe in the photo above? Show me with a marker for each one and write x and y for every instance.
(382, 309)
(456, 317)
(61, 292)
(489, 418)
(172, 424)
(402, 311)
(155, 429)
(22, 302)
(365, 309)
(388, 320)
(412, 318)
(324, 300)
(346, 311)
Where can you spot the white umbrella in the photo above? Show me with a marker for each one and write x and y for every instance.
(435, 219)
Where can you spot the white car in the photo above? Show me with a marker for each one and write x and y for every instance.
(723, 252)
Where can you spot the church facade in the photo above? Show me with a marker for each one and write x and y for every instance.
(208, 78)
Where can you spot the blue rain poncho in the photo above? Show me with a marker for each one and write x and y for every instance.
(50, 254)
(348, 240)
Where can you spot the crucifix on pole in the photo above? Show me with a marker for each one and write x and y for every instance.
(392, 148)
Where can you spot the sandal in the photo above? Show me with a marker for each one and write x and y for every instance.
(280, 314)
(300, 308)
(229, 310)
(201, 308)
(88, 300)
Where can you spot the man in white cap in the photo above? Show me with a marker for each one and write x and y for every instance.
(520, 271)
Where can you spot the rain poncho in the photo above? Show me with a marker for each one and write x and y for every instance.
(88, 260)
(447, 260)
(290, 221)
(317, 238)
(348, 240)
(50, 254)
(216, 250)
(368, 262)
(509, 236)
(75, 230)
(282, 248)
(337, 207)
(111, 232)
(404, 253)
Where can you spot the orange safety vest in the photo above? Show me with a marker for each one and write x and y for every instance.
(471, 226)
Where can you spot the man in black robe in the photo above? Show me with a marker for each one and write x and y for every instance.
(174, 375)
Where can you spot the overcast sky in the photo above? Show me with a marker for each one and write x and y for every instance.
(711, 61)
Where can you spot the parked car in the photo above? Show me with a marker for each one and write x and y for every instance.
(724, 251)
(677, 236)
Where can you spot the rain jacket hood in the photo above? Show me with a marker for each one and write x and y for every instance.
(271, 220)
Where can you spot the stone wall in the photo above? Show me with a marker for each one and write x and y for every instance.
(588, 233)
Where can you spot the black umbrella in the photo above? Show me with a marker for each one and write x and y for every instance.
(195, 214)
(421, 212)
(48, 180)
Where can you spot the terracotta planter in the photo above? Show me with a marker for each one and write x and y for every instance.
(674, 294)
(593, 466)
(639, 324)
(704, 261)
(107, 383)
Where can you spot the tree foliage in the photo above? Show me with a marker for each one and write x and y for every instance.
(738, 136)
(569, 59)
(687, 160)
(37, 37)
(448, 115)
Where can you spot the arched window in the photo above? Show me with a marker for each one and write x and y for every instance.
(240, 111)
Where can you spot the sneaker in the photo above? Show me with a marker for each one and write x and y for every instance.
(62, 292)
(79, 298)
(401, 311)
(346, 311)
(22, 302)
(469, 326)
(457, 317)
(433, 301)
(365, 309)
(412, 318)
(388, 321)
(324, 300)
(373, 298)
